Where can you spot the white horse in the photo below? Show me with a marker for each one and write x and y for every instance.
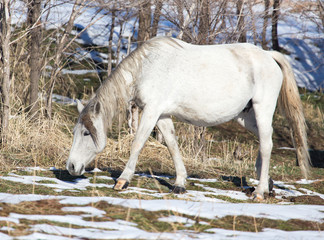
(201, 85)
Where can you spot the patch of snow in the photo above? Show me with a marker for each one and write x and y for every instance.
(93, 233)
(267, 234)
(210, 209)
(105, 177)
(58, 185)
(310, 192)
(90, 210)
(229, 193)
(177, 219)
(287, 148)
(37, 235)
(9, 219)
(63, 100)
(203, 179)
(200, 196)
(75, 220)
(31, 169)
(18, 198)
(306, 181)
(80, 72)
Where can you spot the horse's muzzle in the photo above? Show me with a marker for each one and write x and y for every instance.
(74, 170)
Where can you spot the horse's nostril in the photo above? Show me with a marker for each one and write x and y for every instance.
(82, 168)
(72, 167)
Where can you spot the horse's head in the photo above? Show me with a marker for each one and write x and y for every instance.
(89, 138)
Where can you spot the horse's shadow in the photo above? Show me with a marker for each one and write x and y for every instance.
(65, 176)
(241, 183)
(317, 158)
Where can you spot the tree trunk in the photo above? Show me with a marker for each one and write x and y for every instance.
(119, 43)
(34, 8)
(254, 30)
(5, 22)
(184, 22)
(240, 21)
(156, 17)
(265, 25)
(274, 30)
(321, 12)
(111, 34)
(203, 28)
(144, 22)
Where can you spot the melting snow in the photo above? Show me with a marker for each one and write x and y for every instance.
(193, 203)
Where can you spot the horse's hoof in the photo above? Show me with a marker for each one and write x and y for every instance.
(258, 197)
(178, 190)
(270, 184)
(121, 184)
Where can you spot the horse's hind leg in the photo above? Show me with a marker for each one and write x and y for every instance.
(167, 129)
(263, 114)
(248, 120)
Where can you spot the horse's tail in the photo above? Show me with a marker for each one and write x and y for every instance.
(290, 104)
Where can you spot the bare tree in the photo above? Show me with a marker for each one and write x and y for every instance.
(61, 45)
(265, 24)
(274, 30)
(321, 12)
(156, 17)
(240, 21)
(34, 21)
(203, 28)
(5, 25)
(110, 40)
(144, 21)
(184, 22)
(253, 27)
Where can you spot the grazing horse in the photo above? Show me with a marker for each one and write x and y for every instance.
(200, 85)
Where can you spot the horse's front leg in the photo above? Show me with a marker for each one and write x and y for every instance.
(167, 129)
(148, 121)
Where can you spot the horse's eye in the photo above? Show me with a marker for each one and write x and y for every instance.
(86, 133)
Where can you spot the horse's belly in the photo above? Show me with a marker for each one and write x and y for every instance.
(206, 115)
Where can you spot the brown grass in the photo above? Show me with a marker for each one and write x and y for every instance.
(36, 141)
(46, 143)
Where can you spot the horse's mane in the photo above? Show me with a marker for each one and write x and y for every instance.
(113, 94)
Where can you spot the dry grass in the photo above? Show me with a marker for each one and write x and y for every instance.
(37, 141)
(46, 143)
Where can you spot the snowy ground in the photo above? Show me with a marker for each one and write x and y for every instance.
(80, 218)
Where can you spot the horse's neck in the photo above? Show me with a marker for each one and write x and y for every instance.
(114, 95)
(129, 79)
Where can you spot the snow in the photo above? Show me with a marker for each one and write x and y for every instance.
(178, 219)
(58, 185)
(197, 204)
(267, 234)
(91, 211)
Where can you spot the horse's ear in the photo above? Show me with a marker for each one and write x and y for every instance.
(97, 108)
(79, 105)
